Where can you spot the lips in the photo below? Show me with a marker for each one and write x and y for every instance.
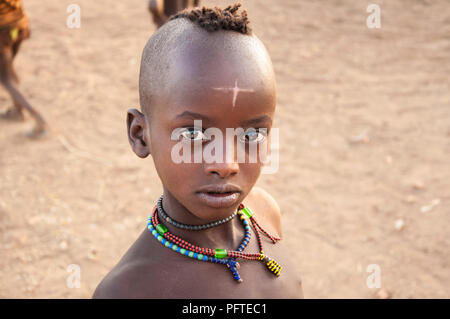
(219, 195)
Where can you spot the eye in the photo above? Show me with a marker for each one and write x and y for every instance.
(192, 134)
(254, 136)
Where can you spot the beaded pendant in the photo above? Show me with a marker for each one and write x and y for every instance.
(220, 256)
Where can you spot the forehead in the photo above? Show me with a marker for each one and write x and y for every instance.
(222, 73)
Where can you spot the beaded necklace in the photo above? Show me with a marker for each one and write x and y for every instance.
(220, 256)
(173, 222)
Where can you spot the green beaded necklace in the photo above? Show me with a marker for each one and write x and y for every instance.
(221, 256)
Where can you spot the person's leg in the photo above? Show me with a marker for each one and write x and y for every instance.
(190, 3)
(15, 50)
(20, 103)
(156, 8)
(172, 7)
(161, 10)
(15, 112)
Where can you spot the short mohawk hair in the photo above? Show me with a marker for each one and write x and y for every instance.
(213, 19)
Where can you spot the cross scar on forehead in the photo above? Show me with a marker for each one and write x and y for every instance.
(235, 91)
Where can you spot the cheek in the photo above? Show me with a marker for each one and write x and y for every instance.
(178, 178)
(250, 173)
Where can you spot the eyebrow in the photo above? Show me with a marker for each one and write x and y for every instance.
(193, 115)
(257, 120)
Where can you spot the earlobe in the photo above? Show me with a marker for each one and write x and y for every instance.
(136, 127)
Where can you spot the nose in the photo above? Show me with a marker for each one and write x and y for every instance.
(222, 170)
(227, 164)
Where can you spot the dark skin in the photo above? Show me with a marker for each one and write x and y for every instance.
(161, 10)
(9, 81)
(149, 270)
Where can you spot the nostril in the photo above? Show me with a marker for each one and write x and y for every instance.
(217, 174)
(223, 174)
(222, 170)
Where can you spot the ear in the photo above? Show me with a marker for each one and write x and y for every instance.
(136, 127)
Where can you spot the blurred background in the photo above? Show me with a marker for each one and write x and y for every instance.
(364, 118)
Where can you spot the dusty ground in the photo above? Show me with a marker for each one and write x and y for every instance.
(364, 116)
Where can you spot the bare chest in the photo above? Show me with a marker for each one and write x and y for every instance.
(184, 277)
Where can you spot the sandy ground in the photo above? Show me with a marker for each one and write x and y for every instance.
(364, 118)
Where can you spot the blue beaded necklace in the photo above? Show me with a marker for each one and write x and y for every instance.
(220, 256)
(231, 263)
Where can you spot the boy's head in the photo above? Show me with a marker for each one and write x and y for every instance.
(204, 64)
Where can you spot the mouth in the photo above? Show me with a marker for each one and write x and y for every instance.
(219, 196)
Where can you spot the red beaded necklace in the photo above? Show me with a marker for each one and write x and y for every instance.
(215, 255)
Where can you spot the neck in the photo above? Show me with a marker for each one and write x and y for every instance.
(227, 235)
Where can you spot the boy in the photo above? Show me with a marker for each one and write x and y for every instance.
(161, 10)
(13, 30)
(204, 64)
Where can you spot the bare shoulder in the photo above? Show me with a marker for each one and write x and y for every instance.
(267, 212)
(135, 276)
(129, 280)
